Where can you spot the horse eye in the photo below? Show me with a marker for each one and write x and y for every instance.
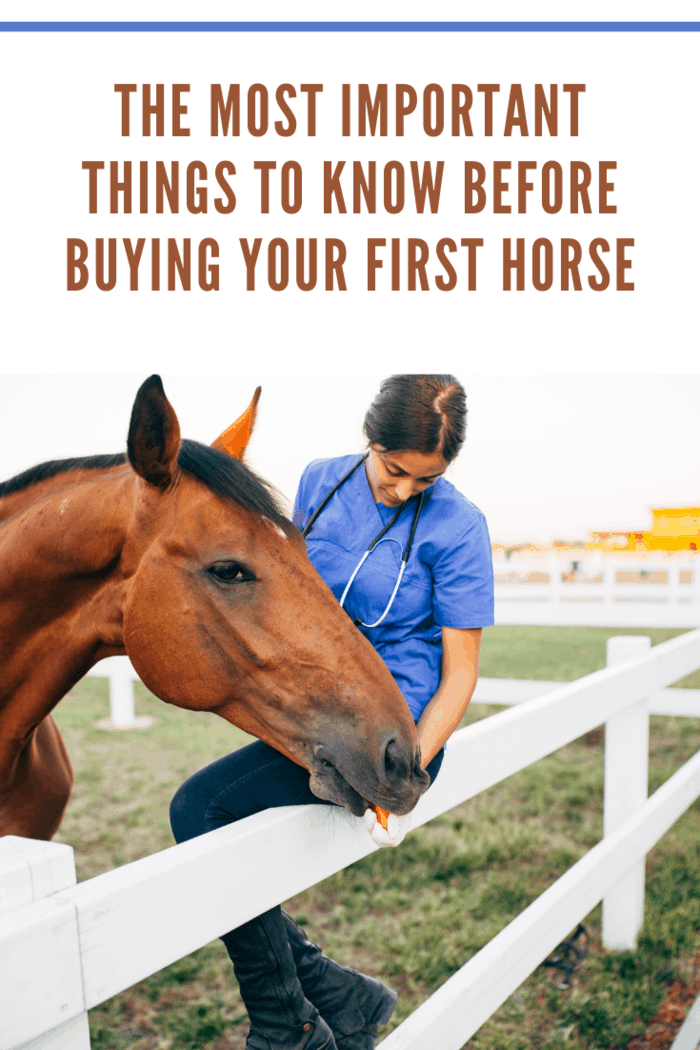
(230, 572)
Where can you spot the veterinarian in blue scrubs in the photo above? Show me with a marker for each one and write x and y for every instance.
(409, 558)
(448, 580)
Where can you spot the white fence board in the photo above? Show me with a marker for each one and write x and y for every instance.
(459, 1008)
(73, 1035)
(688, 1037)
(543, 613)
(605, 603)
(511, 690)
(40, 973)
(679, 702)
(30, 870)
(626, 787)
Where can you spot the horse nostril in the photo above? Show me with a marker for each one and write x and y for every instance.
(394, 760)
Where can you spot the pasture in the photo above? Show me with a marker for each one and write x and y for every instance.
(415, 914)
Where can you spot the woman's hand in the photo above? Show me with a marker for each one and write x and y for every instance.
(395, 832)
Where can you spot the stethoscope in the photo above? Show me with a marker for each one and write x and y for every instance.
(404, 557)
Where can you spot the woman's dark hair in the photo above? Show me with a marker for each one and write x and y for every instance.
(419, 413)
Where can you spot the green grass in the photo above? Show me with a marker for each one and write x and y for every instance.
(416, 914)
(559, 654)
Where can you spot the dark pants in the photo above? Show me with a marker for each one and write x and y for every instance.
(254, 778)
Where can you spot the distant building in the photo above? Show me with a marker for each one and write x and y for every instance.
(507, 550)
(673, 529)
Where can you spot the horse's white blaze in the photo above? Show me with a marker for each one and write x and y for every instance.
(278, 530)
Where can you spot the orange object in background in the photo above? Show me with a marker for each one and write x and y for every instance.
(382, 817)
(673, 529)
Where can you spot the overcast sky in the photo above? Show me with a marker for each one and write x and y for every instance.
(546, 456)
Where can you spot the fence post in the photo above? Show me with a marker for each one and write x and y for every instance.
(609, 569)
(673, 589)
(30, 872)
(626, 786)
(556, 586)
(120, 675)
(121, 697)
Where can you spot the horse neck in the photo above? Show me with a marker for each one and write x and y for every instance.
(22, 499)
(59, 570)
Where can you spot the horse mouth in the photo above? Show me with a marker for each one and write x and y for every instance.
(330, 784)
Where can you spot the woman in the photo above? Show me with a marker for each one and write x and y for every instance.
(409, 559)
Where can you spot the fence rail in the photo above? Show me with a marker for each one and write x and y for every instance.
(65, 948)
(510, 691)
(608, 592)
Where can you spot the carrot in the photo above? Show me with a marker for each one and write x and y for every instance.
(382, 817)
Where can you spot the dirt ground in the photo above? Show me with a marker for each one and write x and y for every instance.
(668, 1019)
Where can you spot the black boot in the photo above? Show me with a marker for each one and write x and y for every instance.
(352, 1003)
(281, 1018)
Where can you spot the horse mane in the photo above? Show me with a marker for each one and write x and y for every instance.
(231, 479)
(54, 467)
(223, 475)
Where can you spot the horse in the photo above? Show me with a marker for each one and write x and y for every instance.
(177, 555)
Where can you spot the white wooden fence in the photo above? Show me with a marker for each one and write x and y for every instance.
(64, 948)
(608, 591)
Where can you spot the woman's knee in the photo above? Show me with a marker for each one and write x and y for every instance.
(187, 814)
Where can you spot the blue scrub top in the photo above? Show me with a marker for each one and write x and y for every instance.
(448, 580)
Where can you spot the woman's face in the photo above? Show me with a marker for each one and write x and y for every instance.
(396, 476)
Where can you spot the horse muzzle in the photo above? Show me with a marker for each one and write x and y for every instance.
(343, 773)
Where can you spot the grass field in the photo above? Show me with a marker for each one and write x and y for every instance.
(415, 914)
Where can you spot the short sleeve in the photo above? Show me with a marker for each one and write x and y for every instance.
(463, 579)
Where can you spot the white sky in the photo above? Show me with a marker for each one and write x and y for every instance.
(546, 456)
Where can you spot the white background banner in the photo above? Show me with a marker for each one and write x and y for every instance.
(636, 131)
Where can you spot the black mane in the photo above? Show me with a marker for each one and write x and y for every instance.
(230, 479)
(44, 471)
(223, 475)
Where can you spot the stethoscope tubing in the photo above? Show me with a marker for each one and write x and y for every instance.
(358, 622)
(404, 557)
(307, 529)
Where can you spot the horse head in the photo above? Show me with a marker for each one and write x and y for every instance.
(223, 611)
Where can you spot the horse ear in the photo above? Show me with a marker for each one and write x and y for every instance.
(154, 434)
(235, 439)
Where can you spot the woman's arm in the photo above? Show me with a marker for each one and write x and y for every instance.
(460, 669)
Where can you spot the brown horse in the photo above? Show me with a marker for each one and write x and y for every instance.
(179, 556)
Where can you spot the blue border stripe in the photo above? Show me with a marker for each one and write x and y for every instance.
(349, 27)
